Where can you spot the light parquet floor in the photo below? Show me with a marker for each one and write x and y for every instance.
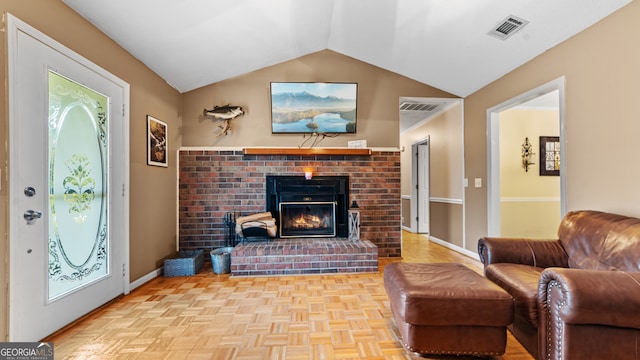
(210, 316)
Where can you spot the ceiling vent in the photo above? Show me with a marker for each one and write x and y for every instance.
(414, 106)
(507, 27)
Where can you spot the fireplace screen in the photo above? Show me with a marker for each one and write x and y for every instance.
(307, 219)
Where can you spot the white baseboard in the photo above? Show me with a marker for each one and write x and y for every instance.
(146, 278)
(453, 247)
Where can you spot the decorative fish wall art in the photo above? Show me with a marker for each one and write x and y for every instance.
(225, 113)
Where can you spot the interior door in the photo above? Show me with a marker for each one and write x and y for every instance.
(69, 169)
(423, 188)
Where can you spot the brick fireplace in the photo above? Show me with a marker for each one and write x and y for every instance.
(215, 182)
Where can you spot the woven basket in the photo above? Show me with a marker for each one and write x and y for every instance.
(188, 263)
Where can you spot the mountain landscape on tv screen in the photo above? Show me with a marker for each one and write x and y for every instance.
(290, 100)
(303, 111)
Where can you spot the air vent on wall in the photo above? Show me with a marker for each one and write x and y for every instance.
(507, 27)
(412, 106)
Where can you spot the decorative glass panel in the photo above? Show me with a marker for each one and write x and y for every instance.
(309, 219)
(78, 173)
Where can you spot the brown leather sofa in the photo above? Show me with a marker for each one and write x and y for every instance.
(578, 296)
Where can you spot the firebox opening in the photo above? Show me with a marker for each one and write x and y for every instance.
(311, 219)
(330, 191)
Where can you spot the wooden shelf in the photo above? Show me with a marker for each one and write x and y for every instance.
(307, 151)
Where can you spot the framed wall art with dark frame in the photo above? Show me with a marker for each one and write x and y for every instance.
(549, 156)
(156, 142)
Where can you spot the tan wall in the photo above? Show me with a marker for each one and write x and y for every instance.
(446, 222)
(153, 190)
(515, 125)
(526, 205)
(534, 220)
(379, 92)
(406, 212)
(445, 154)
(600, 65)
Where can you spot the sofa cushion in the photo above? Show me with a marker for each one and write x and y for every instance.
(521, 282)
(601, 241)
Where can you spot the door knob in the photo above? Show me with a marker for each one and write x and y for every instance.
(31, 216)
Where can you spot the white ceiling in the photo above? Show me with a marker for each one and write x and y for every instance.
(548, 101)
(441, 43)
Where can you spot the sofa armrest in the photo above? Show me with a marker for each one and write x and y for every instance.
(596, 297)
(533, 252)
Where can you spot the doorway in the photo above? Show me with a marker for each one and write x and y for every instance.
(500, 192)
(68, 188)
(432, 168)
(420, 185)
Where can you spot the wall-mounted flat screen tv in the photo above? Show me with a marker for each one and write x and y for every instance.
(313, 107)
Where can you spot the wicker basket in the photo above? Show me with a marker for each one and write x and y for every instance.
(188, 263)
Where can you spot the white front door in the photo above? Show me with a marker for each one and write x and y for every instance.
(68, 134)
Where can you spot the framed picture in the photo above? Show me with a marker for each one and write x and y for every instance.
(156, 142)
(549, 156)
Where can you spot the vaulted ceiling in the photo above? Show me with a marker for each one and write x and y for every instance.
(441, 43)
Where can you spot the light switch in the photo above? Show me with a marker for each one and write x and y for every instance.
(478, 182)
(466, 182)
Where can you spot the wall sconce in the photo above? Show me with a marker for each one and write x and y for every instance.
(527, 154)
(308, 175)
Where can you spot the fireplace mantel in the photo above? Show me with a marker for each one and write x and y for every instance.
(306, 151)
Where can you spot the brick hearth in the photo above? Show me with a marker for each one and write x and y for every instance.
(304, 256)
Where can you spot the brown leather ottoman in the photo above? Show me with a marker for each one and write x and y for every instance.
(448, 309)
